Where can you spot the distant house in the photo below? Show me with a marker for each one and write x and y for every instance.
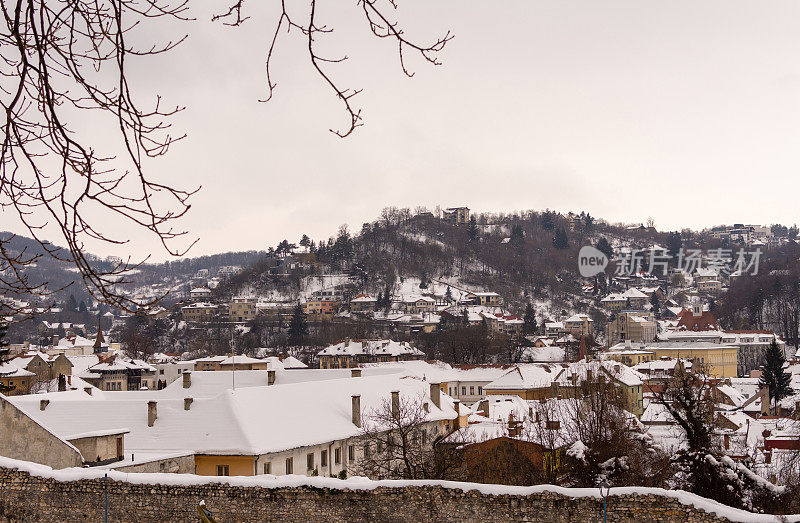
(456, 215)
(697, 319)
(202, 312)
(530, 381)
(113, 373)
(579, 325)
(350, 353)
(415, 304)
(486, 299)
(631, 326)
(363, 303)
(200, 293)
(242, 309)
(321, 309)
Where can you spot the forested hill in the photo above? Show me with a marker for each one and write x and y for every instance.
(527, 256)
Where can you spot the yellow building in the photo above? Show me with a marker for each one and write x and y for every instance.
(722, 360)
(242, 309)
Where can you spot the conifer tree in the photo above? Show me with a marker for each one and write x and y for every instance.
(298, 327)
(529, 320)
(448, 294)
(773, 376)
(472, 229)
(560, 240)
(605, 247)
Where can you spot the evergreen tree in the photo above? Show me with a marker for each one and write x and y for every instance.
(298, 327)
(472, 229)
(465, 318)
(588, 221)
(605, 247)
(548, 223)
(72, 305)
(82, 306)
(4, 351)
(560, 240)
(305, 241)
(517, 235)
(529, 325)
(656, 303)
(772, 374)
(423, 281)
(674, 243)
(448, 295)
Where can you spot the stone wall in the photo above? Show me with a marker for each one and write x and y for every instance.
(28, 497)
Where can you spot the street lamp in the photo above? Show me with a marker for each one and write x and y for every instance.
(605, 488)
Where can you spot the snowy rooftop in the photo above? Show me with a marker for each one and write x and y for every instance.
(370, 347)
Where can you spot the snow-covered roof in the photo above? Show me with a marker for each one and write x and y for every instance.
(618, 371)
(526, 376)
(370, 347)
(241, 421)
(9, 370)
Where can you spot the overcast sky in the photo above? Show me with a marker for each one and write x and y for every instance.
(685, 111)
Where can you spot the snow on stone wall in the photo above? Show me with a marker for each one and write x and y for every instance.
(31, 492)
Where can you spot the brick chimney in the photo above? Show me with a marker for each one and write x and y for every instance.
(187, 379)
(457, 421)
(355, 373)
(357, 410)
(152, 413)
(764, 391)
(435, 394)
(270, 377)
(43, 404)
(396, 404)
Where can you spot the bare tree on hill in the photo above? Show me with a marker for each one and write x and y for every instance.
(62, 61)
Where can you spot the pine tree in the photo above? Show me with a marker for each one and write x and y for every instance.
(517, 235)
(529, 320)
(4, 352)
(588, 222)
(560, 240)
(605, 247)
(772, 374)
(674, 243)
(305, 241)
(298, 327)
(448, 295)
(472, 229)
(548, 223)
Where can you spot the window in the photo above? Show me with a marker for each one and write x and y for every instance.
(337, 455)
(323, 459)
(471, 391)
(268, 467)
(223, 470)
(289, 466)
(351, 453)
(480, 391)
(463, 391)
(310, 461)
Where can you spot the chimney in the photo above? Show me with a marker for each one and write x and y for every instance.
(270, 377)
(764, 400)
(396, 404)
(43, 404)
(355, 373)
(88, 390)
(187, 379)
(187, 403)
(435, 391)
(727, 440)
(357, 410)
(456, 422)
(152, 413)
